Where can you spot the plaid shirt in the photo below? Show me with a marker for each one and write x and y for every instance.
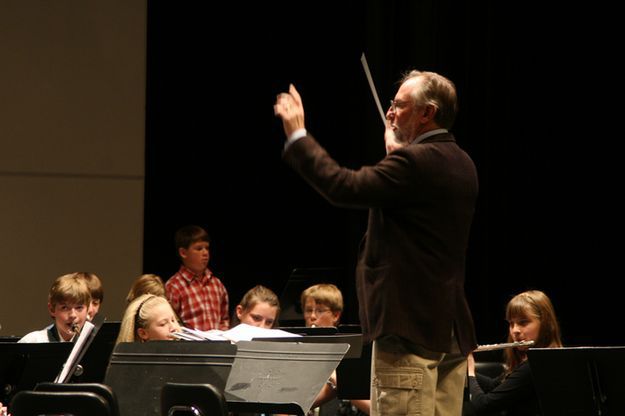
(200, 301)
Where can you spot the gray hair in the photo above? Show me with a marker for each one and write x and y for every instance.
(438, 91)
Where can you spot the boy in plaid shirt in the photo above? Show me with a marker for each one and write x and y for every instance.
(196, 295)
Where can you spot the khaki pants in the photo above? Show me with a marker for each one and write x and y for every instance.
(409, 380)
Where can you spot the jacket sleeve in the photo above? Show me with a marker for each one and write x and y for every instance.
(515, 389)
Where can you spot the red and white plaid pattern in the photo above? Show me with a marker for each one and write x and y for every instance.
(200, 301)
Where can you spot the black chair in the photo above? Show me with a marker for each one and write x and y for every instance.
(77, 403)
(490, 363)
(492, 369)
(195, 399)
(102, 390)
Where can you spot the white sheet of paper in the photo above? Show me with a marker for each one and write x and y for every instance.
(63, 376)
(245, 332)
(241, 332)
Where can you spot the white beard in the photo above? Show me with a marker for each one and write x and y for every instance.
(392, 141)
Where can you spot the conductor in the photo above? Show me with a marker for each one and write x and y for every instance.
(411, 265)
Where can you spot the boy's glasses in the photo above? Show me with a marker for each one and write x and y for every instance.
(316, 311)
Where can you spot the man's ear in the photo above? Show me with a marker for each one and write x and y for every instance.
(51, 310)
(429, 112)
(239, 311)
(182, 252)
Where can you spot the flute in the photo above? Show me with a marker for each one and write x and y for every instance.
(492, 347)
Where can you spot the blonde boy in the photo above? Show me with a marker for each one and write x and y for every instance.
(68, 304)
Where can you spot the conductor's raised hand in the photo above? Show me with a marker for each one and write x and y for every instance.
(290, 109)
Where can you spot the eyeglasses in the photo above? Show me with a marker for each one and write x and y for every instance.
(316, 311)
(395, 104)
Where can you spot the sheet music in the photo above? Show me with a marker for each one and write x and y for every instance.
(241, 332)
(73, 355)
(244, 332)
(195, 335)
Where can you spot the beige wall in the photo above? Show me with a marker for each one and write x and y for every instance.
(72, 115)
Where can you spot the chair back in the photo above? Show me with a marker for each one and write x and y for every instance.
(492, 369)
(100, 389)
(196, 399)
(77, 403)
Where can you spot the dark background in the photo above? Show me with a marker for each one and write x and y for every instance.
(540, 114)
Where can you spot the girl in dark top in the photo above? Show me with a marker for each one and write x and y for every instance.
(530, 317)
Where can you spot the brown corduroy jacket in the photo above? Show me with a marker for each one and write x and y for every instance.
(411, 265)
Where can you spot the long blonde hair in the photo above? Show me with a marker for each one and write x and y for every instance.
(137, 315)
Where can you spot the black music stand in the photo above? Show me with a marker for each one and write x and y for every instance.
(610, 362)
(349, 329)
(79, 348)
(353, 340)
(138, 371)
(23, 365)
(307, 330)
(353, 376)
(354, 371)
(582, 381)
(96, 358)
(280, 377)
